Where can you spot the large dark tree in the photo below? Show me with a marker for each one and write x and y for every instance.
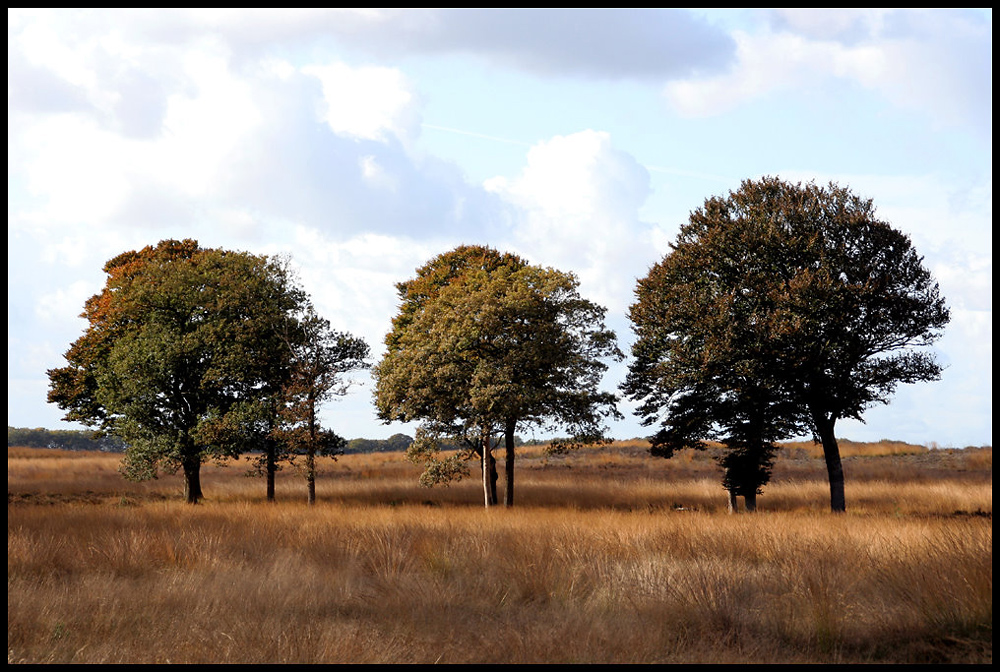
(182, 345)
(700, 368)
(485, 344)
(781, 308)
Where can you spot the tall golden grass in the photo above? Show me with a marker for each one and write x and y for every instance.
(610, 556)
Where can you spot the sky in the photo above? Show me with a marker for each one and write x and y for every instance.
(361, 143)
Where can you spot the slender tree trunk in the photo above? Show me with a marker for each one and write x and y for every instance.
(750, 501)
(311, 453)
(508, 435)
(487, 469)
(734, 505)
(494, 477)
(311, 475)
(272, 468)
(834, 467)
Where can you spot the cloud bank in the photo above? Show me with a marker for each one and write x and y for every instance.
(302, 133)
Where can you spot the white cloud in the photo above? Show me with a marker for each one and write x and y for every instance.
(75, 168)
(936, 62)
(83, 170)
(845, 24)
(370, 103)
(291, 131)
(375, 174)
(593, 42)
(204, 127)
(64, 301)
(580, 199)
(266, 140)
(772, 61)
(612, 43)
(41, 42)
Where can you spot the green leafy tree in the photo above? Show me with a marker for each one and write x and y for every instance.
(485, 343)
(441, 271)
(414, 294)
(181, 343)
(788, 306)
(321, 358)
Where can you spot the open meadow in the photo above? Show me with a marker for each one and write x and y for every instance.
(609, 556)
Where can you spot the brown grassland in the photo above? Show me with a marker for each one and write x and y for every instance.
(610, 556)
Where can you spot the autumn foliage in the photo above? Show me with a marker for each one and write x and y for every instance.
(186, 357)
(486, 345)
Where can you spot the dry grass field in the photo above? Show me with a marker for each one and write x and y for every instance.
(610, 556)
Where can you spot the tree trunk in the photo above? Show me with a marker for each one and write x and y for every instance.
(750, 501)
(272, 467)
(192, 480)
(311, 475)
(311, 452)
(494, 477)
(487, 475)
(733, 503)
(508, 435)
(834, 467)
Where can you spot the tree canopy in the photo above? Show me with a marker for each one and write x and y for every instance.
(484, 344)
(182, 344)
(781, 308)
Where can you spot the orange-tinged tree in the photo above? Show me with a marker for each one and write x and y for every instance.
(180, 339)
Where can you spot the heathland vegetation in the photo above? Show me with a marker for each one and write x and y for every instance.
(610, 557)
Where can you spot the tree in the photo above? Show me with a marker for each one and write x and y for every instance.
(436, 274)
(786, 305)
(320, 359)
(485, 343)
(703, 366)
(181, 344)
(284, 424)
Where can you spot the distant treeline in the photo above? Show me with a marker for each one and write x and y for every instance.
(396, 442)
(77, 439)
(400, 442)
(64, 439)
